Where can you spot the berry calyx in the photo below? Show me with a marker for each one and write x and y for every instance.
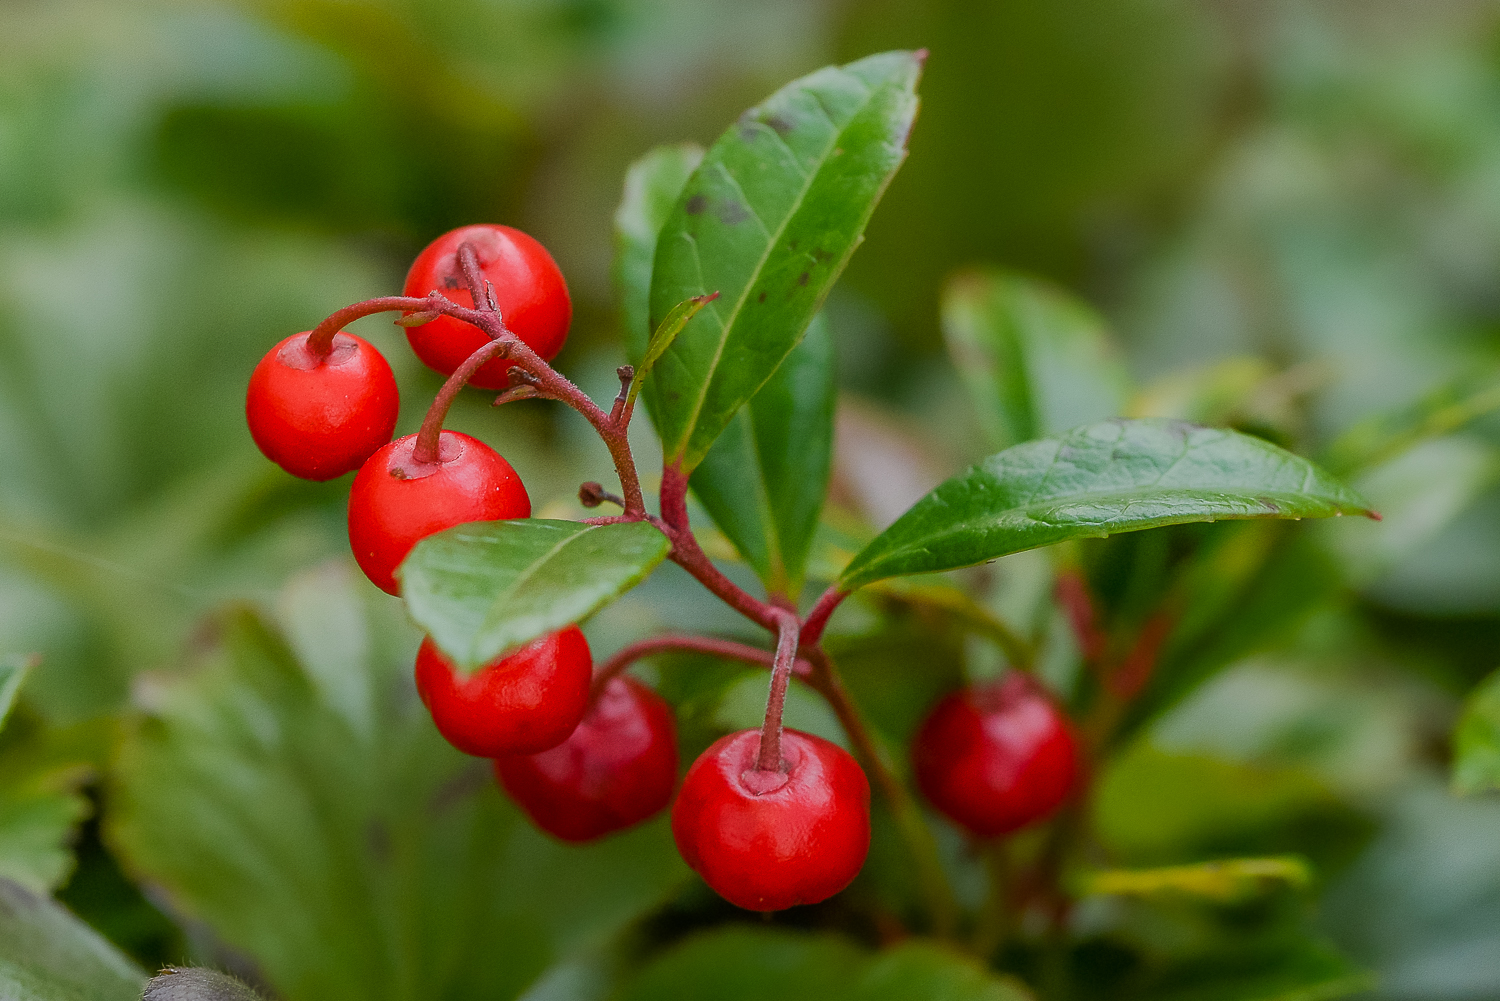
(521, 703)
(529, 292)
(396, 501)
(618, 767)
(320, 415)
(768, 840)
(996, 757)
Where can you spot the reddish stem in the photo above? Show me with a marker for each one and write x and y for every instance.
(428, 438)
(781, 673)
(727, 649)
(1073, 594)
(468, 263)
(548, 381)
(826, 681)
(320, 340)
(817, 619)
(687, 554)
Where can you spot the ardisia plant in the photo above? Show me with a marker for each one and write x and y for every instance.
(725, 259)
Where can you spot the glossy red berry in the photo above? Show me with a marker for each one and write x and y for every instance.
(522, 703)
(529, 289)
(996, 757)
(765, 841)
(396, 502)
(618, 768)
(320, 417)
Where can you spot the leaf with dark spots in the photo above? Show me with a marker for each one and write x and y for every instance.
(1098, 480)
(733, 213)
(795, 192)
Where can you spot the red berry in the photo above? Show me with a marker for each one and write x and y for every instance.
(522, 703)
(768, 840)
(318, 418)
(996, 757)
(529, 289)
(618, 768)
(396, 502)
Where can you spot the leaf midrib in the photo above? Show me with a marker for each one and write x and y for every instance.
(486, 623)
(1021, 510)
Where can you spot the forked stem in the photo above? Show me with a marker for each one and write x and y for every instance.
(769, 759)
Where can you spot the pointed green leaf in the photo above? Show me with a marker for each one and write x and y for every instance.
(651, 188)
(1036, 360)
(1476, 741)
(13, 671)
(484, 588)
(765, 479)
(46, 954)
(1115, 476)
(663, 338)
(769, 219)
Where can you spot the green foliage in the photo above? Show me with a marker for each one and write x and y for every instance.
(1118, 476)
(482, 589)
(662, 339)
(1226, 881)
(749, 964)
(46, 954)
(40, 801)
(1036, 361)
(1476, 740)
(350, 851)
(768, 220)
(764, 480)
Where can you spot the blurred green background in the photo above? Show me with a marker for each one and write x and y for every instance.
(1312, 184)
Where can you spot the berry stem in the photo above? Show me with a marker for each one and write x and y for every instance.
(914, 830)
(817, 619)
(769, 759)
(426, 449)
(320, 340)
(727, 649)
(548, 381)
(468, 263)
(687, 554)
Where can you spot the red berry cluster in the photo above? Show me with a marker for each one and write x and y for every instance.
(770, 818)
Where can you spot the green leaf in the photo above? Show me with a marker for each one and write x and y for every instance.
(1115, 476)
(748, 964)
(1036, 360)
(484, 588)
(652, 185)
(13, 671)
(1439, 412)
(1476, 741)
(1229, 880)
(765, 479)
(663, 338)
(355, 861)
(40, 798)
(769, 219)
(46, 954)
